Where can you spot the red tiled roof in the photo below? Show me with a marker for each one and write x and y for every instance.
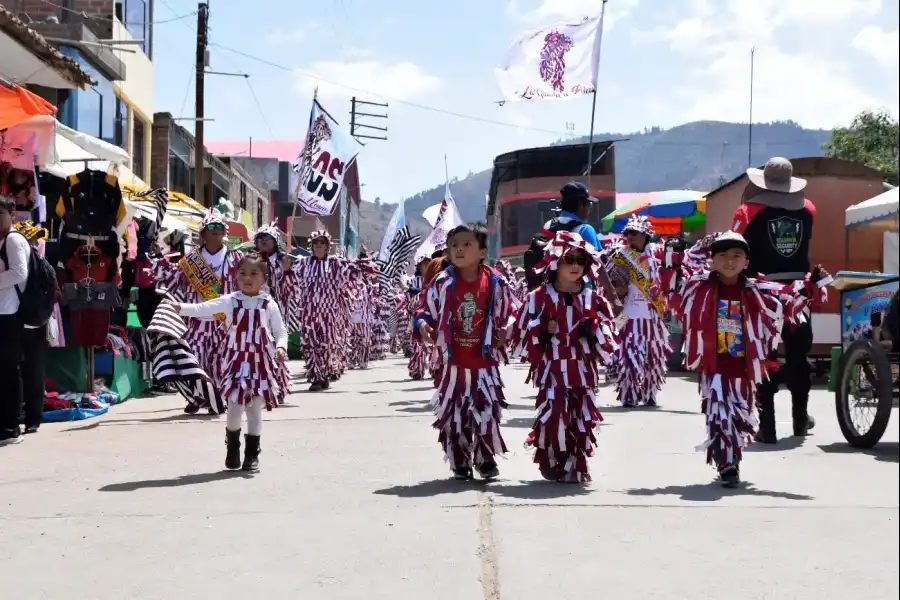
(286, 150)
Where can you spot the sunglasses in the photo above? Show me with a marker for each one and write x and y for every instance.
(216, 227)
(575, 259)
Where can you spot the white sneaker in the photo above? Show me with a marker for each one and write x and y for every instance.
(12, 440)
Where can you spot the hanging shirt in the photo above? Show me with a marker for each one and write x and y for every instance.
(730, 357)
(470, 314)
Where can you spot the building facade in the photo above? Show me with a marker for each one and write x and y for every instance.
(525, 185)
(95, 34)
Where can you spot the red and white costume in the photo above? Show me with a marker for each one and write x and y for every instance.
(565, 364)
(199, 277)
(729, 332)
(639, 364)
(362, 317)
(466, 318)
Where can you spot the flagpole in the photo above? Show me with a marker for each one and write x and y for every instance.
(446, 170)
(590, 168)
(303, 154)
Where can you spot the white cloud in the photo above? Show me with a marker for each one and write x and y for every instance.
(549, 10)
(287, 37)
(883, 46)
(369, 78)
(814, 84)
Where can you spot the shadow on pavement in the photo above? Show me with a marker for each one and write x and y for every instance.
(712, 492)
(538, 490)
(424, 388)
(407, 380)
(783, 444)
(181, 480)
(416, 409)
(648, 409)
(884, 452)
(167, 419)
(435, 487)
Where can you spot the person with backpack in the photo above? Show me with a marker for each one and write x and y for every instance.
(575, 203)
(16, 256)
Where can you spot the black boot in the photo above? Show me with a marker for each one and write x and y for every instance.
(802, 421)
(766, 404)
(251, 454)
(233, 454)
(488, 469)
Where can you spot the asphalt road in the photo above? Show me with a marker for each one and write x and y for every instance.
(353, 502)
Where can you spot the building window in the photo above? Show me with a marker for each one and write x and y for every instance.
(259, 213)
(88, 112)
(133, 14)
(179, 175)
(137, 147)
(243, 189)
(120, 125)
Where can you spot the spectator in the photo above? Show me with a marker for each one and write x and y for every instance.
(15, 252)
(575, 203)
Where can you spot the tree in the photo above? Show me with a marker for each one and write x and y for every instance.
(873, 139)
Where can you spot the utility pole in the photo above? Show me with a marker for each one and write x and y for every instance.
(356, 125)
(199, 150)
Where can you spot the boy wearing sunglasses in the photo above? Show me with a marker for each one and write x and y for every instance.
(564, 330)
(205, 273)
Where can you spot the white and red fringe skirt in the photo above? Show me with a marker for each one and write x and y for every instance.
(360, 345)
(563, 433)
(728, 405)
(639, 364)
(420, 359)
(468, 405)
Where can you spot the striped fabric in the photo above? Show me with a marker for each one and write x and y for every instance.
(173, 360)
(160, 202)
(400, 251)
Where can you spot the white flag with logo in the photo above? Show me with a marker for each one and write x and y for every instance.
(447, 219)
(322, 163)
(553, 62)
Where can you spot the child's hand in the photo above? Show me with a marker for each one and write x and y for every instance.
(501, 338)
(552, 327)
(281, 355)
(427, 333)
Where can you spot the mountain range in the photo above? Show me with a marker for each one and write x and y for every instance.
(696, 156)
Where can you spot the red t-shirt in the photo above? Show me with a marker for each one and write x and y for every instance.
(470, 306)
(730, 357)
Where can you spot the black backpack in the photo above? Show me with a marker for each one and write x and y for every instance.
(38, 297)
(535, 253)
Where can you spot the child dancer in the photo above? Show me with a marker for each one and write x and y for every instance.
(564, 330)
(466, 311)
(256, 340)
(639, 364)
(363, 315)
(731, 323)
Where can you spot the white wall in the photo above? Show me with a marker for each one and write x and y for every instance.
(136, 91)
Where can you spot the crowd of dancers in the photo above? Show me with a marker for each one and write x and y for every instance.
(458, 320)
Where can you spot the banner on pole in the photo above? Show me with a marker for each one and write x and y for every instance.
(322, 163)
(553, 62)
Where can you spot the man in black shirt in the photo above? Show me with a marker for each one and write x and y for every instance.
(777, 221)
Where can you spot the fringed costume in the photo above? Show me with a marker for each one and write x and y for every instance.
(382, 297)
(468, 320)
(200, 277)
(324, 289)
(564, 364)
(362, 318)
(639, 364)
(729, 331)
(419, 364)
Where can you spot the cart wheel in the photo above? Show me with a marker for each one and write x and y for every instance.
(864, 381)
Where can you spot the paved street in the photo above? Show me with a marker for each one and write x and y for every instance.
(353, 503)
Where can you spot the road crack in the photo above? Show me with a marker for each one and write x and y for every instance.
(487, 550)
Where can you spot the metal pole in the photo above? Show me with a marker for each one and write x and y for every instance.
(199, 149)
(594, 98)
(750, 124)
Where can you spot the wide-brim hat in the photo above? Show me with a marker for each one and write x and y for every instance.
(777, 176)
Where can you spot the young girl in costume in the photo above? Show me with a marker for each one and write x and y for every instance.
(564, 331)
(419, 352)
(637, 270)
(256, 341)
(465, 313)
(731, 324)
(363, 316)
(204, 274)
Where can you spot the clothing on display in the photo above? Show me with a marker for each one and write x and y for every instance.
(91, 207)
(17, 179)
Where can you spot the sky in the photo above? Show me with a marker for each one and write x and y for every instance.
(663, 63)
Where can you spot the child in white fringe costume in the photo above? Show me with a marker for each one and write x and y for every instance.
(256, 342)
(731, 323)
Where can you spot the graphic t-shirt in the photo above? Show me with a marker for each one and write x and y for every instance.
(730, 359)
(470, 316)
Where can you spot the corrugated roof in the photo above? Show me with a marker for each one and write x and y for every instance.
(35, 43)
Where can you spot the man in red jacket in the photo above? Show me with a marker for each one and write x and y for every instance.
(777, 221)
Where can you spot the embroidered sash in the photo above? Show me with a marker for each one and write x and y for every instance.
(640, 275)
(201, 277)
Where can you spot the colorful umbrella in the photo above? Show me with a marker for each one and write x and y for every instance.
(671, 212)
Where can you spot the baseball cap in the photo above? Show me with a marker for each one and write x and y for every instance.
(575, 190)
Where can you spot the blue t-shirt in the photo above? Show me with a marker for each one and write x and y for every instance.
(586, 231)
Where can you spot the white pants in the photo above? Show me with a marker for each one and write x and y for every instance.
(254, 412)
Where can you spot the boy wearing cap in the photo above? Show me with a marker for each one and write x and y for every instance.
(731, 323)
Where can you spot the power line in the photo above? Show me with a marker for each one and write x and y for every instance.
(259, 107)
(84, 15)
